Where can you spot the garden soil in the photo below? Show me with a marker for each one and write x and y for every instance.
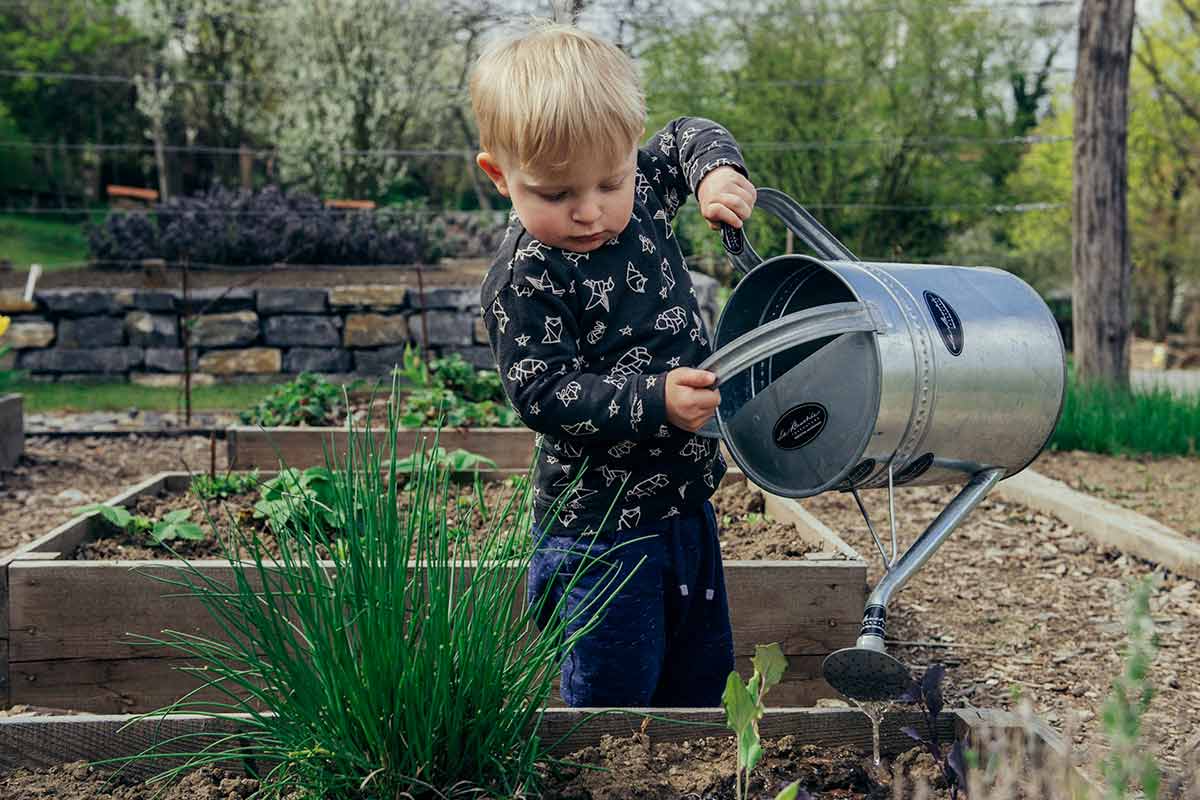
(1164, 489)
(56, 475)
(637, 770)
(745, 532)
(1018, 604)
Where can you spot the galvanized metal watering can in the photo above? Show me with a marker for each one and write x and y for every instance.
(837, 373)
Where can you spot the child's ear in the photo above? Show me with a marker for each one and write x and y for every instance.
(491, 166)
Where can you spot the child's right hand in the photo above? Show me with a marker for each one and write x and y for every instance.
(690, 403)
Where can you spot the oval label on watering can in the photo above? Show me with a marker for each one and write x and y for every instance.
(947, 322)
(914, 469)
(800, 425)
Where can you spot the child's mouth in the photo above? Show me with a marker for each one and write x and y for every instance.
(595, 238)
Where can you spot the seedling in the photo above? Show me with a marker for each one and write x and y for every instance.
(743, 704)
(174, 524)
(927, 693)
(454, 461)
(211, 487)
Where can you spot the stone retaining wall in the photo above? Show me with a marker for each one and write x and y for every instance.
(246, 334)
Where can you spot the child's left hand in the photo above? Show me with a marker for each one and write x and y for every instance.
(725, 195)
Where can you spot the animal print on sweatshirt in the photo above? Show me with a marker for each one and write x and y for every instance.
(583, 343)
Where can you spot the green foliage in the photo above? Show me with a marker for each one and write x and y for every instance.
(311, 493)
(37, 240)
(397, 671)
(174, 524)
(880, 96)
(1128, 765)
(457, 460)
(1103, 419)
(210, 487)
(744, 707)
(310, 399)
(63, 36)
(450, 391)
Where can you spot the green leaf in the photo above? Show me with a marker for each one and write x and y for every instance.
(178, 515)
(770, 663)
(790, 792)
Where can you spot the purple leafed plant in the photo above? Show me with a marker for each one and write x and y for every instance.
(239, 228)
(927, 693)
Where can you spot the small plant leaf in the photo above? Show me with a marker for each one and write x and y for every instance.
(957, 762)
(793, 792)
(931, 688)
(178, 515)
(740, 709)
(770, 663)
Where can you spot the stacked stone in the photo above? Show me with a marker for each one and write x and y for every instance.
(66, 334)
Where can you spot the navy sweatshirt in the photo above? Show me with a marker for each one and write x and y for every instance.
(583, 343)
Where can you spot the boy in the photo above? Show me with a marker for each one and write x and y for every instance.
(595, 328)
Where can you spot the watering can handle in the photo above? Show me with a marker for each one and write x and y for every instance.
(803, 224)
(785, 333)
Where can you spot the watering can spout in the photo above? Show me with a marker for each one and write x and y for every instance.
(866, 671)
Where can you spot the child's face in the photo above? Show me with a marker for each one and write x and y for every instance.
(578, 208)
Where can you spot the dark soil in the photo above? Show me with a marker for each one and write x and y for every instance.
(450, 272)
(745, 532)
(56, 475)
(636, 770)
(704, 768)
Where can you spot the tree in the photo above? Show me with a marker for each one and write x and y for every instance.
(1100, 235)
(364, 76)
(891, 120)
(59, 115)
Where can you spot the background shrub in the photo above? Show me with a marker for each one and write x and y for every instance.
(239, 228)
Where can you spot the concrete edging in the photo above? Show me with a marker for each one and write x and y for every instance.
(1105, 522)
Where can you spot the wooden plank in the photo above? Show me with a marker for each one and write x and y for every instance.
(1106, 523)
(812, 530)
(68, 536)
(81, 610)
(36, 555)
(12, 429)
(250, 447)
(139, 685)
(39, 742)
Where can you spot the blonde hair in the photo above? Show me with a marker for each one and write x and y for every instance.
(543, 96)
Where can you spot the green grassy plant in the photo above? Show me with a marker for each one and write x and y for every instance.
(121, 396)
(1102, 419)
(54, 244)
(398, 666)
(1128, 765)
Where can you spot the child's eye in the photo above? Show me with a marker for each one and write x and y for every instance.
(553, 198)
(611, 187)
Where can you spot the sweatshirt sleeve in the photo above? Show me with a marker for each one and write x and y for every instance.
(533, 326)
(677, 158)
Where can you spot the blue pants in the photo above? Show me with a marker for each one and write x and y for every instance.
(664, 639)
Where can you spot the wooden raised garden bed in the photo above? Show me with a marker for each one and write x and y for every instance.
(252, 447)
(12, 430)
(64, 622)
(46, 742)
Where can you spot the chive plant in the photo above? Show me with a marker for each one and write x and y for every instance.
(387, 664)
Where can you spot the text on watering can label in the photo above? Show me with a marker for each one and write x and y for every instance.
(947, 322)
(800, 425)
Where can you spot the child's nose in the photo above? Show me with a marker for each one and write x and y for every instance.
(587, 212)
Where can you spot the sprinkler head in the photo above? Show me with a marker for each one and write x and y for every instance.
(862, 673)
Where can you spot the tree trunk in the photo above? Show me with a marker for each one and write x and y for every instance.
(1100, 239)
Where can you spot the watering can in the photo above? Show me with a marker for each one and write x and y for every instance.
(841, 374)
